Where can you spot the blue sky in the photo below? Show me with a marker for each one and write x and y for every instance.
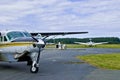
(101, 18)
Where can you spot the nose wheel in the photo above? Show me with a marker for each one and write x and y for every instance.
(35, 65)
(34, 69)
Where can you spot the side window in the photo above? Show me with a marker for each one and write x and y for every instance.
(5, 39)
(0, 38)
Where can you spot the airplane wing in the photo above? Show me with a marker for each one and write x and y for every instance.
(81, 43)
(56, 33)
(100, 43)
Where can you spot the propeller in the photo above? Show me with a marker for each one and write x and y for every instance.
(40, 44)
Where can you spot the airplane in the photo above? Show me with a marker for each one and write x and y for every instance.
(90, 43)
(18, 46)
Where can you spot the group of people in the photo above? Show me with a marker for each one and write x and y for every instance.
(60, 46)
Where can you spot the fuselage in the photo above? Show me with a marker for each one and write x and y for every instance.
(91, 43)
(17, 44)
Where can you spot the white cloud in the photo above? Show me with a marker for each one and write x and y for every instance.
(62, 15)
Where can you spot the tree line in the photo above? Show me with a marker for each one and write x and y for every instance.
(110, 40)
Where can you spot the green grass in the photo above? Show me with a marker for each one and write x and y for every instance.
(104, 61)
(68, 46)
(50, 46)
(83, 46)
(108, 46)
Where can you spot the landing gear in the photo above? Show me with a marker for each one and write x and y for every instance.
(34, 68)
(35, 64)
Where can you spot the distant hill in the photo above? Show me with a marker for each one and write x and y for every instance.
(111, 40)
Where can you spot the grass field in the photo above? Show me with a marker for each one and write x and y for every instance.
(83, 46)
(104, 61)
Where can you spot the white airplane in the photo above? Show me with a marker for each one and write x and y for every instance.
(90, 43)
(17, 46)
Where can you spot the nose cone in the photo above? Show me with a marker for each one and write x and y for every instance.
(40, 43)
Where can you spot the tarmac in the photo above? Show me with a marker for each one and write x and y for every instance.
(60, 65)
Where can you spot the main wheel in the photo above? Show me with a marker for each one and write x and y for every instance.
(34, 69)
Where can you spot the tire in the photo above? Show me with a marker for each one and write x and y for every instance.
(34, 69)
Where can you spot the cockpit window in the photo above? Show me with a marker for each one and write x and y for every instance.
(27, 34)
(13, 35)
(17, 34)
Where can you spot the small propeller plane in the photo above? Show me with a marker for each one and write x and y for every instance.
(23, 46)
(90, 43)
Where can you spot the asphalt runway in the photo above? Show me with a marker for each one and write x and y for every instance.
(60, 65)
